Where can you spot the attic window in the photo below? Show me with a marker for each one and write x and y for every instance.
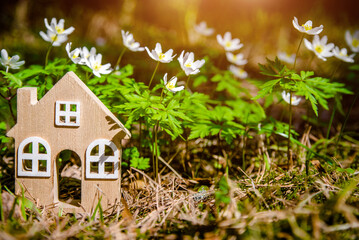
(102, 160)
(34, 158)
(67, 114)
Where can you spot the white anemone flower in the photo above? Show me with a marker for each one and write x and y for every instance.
(94, 62)
(238, 72)
(228, 43)
(171, 85)
(10, 62)
(157, 54)
(320, 47)
(285, 57)
(58, 28)
(237, 59)
(342, 54)
(74, 55)
(55, 39)
(352, 40)
(85, 55)
(307, 27)
(295, 100)
(202, 29)
(189, 66)
(130, 42)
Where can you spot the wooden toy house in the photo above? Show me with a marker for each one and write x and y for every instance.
(68, 117)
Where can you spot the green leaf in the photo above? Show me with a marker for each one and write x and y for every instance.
(140, 163)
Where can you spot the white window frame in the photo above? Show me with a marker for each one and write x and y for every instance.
(67, 113)
(35, 156)
(101, 159)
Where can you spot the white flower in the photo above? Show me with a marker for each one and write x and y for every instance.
(320, 47)
(307, 27)
(171, 85)
(236, 59)
(238, 72)
(10, 62)
(228, 43)
(130, 43)
(74, 55)
(286, 97)
(342, 54)
(202, 29)
(58, 28)
(94, 62)
(157, 54)
(85, 55)
(189, 66)
(285, 57)
(53, 38)
(352, 40)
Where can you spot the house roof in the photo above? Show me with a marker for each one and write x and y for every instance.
(72, 78)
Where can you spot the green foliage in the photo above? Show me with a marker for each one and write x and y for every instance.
(226, 82)
(133, 155)
(222, 194)
(315, 89)
(98, 209)
(220, 120)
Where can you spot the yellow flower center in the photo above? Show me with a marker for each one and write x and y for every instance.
(241, 71)
(307, 27)
(170, 85)
(59, 30)
(75, 56)
(355, 42)
(8, 58)
(228, 44)
(161, 56)
(234, 57)
(341, 53)
(97, 67)
(188, 65)
(54, 38)
(319, 49)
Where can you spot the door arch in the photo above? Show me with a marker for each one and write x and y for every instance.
(69, 176)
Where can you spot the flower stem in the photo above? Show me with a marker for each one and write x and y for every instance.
(156, 151)
(10, 106)
(296, 55)
(154, 72)
(289, 155)
(48, 53)
(187, 81)
(119, 58)
(140, 135)
(331, 120)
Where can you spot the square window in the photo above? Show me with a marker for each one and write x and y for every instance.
(62, 119)
(109, 167)
(27, 165)
(42, 165)
(73, 119)
(62, 107)
(73, 107)
(67, 113)
(94, 167)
